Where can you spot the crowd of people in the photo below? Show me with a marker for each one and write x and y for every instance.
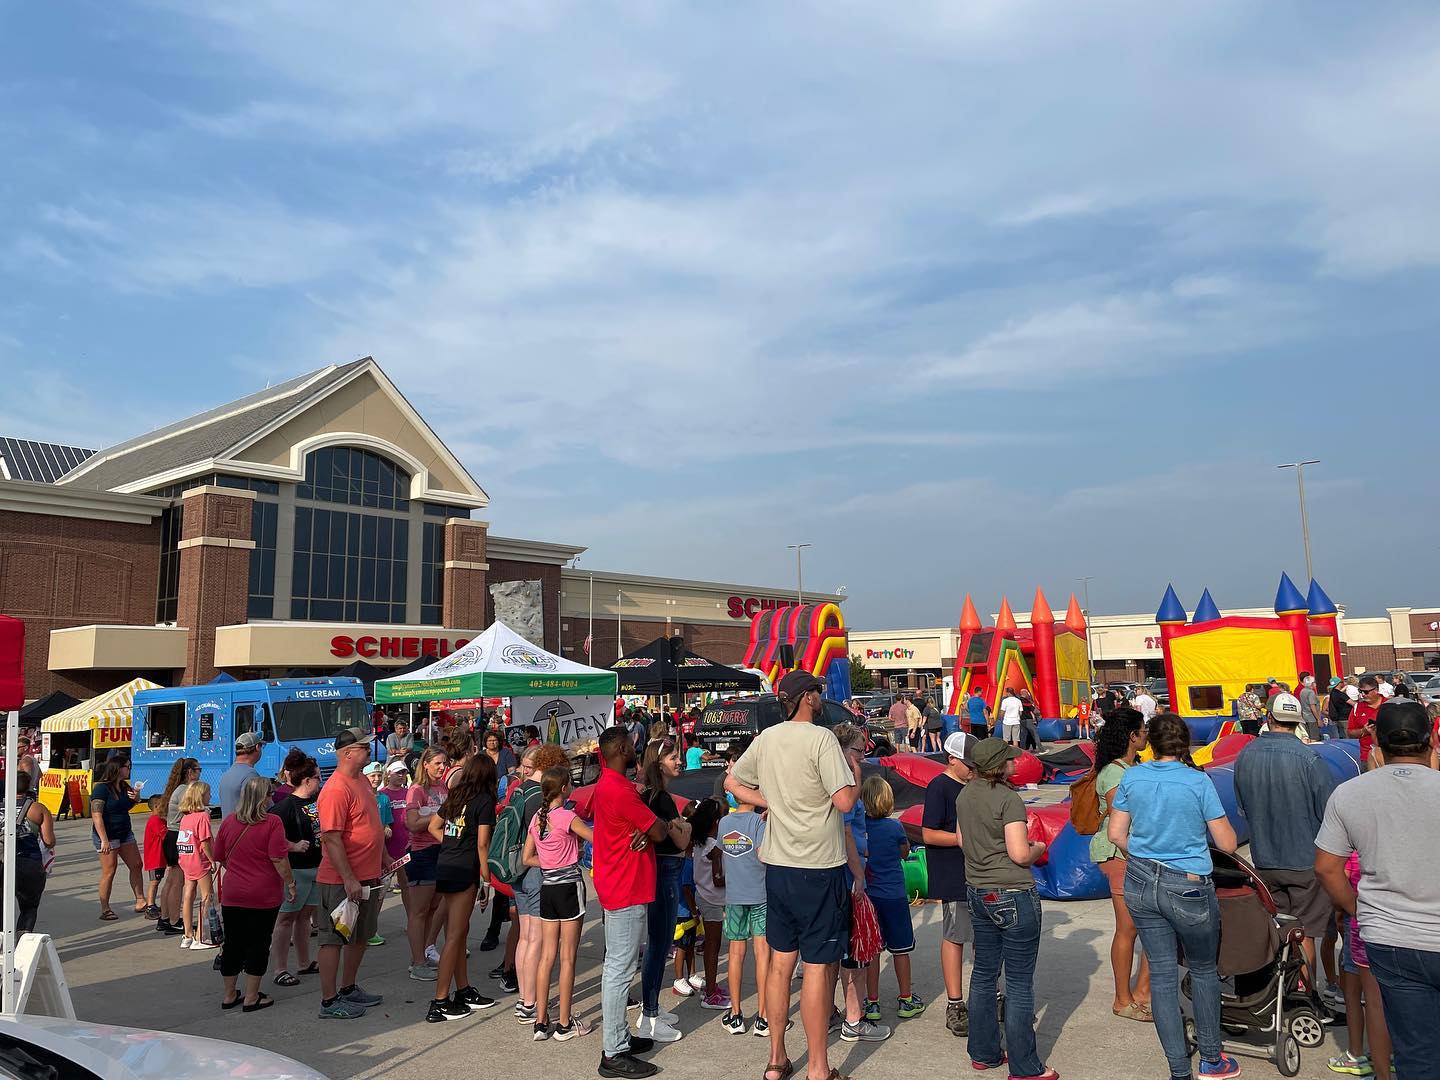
(794, 860)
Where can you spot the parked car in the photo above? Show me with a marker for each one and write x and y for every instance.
(1430, 691)
(728, 720)
(1159, 690)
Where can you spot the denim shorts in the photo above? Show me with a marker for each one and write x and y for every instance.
(527, 893)
(116, 842)
(420, 870)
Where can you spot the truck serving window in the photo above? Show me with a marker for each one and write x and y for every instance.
(165, 724)
(297, 720)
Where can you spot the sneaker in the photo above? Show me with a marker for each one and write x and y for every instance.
(1351, 1065)
(910, 1007)
(489, 944)
(376, 940)
(980, 1066)
(697, 982)
(168, 929)
(433, 955)
(1334, 997)
(152, 913)
(864, 1031)
(340, 1009)
(541, 1032)
(423, 973)
(357, 995)
(510, 984)
(524, 1014)
(716, 1000)
(200, 946)
(576, 1029)
(1227, 1066)
(443, 1009)
(472, 999)
(653, 1027)
(669, 1017)
(957, 1018)
(498, 971)
(837, 1021)
(683, 987)
(1048, 1074)
(733, 1023)
(626, 1065)
(872, 1010)
(631, 1002)
(185, 941)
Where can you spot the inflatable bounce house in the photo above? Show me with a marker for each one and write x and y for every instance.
(1048, 659)
(802, 637)
(1212, 658)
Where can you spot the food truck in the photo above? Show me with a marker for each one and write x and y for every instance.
(204, 721)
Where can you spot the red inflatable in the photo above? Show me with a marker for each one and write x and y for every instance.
(916, 768)
(1028, 770)
(1228, 748)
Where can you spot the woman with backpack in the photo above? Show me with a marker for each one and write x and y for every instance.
(1119, 741)
(30, 827)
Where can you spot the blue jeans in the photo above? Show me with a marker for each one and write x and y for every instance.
(624, 929)
(1170, 907)
(1410, 987)
(1007, 936)
(660, 924)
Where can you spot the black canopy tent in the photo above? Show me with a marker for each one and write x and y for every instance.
(48, 705)
(656, 668)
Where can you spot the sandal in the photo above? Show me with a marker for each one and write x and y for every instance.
(239, 997)
(836, 1074)
(313, 969)
(262, 1001)
(1135, 1011)
(782, 1071)
(284, 978)
(106, 915)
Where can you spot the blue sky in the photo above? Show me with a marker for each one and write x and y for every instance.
(984, 296)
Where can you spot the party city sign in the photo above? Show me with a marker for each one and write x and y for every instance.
(889, 654)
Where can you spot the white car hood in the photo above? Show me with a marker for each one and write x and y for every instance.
(120, 1053)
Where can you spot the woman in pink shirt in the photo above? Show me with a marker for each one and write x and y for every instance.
(254, 854)
(553, 844)
(422, 801)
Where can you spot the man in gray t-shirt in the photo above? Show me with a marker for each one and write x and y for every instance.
(1390, 817)
(247, 753)
(1311, 716)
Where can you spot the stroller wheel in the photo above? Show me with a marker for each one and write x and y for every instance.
(1192, 1036)
(1287, 1057)
(1307, 1029)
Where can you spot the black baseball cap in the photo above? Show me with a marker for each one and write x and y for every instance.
(1402, 723)
(349, 737)
(800, 682)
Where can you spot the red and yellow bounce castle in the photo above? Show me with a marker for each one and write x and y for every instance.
(802, 637)
(1049, 659)
(1211, 658)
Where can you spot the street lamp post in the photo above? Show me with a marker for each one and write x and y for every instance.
(799, 573)
(1299, 467)
(1089, 657)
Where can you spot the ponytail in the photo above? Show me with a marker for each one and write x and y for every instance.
(552, 783)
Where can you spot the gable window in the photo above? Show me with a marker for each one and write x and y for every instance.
(348, 474)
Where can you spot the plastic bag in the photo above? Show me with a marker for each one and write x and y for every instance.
(215, 925)
(344, 917)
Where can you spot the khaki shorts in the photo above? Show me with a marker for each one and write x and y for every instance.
(328, 898)
(955, 925)
(1299, 894)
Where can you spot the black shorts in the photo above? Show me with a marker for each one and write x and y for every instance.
(170, 846)
(157, 874)
(564, 902)
(455, 885)
(808, 911)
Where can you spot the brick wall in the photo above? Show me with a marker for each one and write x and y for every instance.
(214, 578)
(466, 600)
(62, 571)
(1370, 657)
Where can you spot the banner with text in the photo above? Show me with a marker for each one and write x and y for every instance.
(563, 720)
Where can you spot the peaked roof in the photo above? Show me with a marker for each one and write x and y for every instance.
(1206, 610)
(205, 435)
(1171, 610)
(100, 709)
(41, 462)
(1288, 600)
(649, 669)
(1318, 602)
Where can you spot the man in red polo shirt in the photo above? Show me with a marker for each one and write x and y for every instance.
(624, 874)
(1362, 717)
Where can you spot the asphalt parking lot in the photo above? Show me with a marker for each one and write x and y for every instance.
(124, 973)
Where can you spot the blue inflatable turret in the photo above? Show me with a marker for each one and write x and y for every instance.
(1205, 610)
(1171, 612)
(1288, 600)
(1318, 602)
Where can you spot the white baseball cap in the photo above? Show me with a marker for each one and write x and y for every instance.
(1286, 708)
(960, 744)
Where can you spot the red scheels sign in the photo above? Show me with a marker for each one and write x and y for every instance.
(745, 607)
(369, 646)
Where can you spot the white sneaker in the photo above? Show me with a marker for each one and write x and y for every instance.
(673, 1019)
(185, 943)
(697, 982)
(432, 954)
(683, 988)
(198, 946)
(653, 1027)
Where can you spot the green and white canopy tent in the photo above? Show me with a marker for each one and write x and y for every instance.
(498, 663)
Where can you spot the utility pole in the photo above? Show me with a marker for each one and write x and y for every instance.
(1299, 467)
(799, 550)
(1089, 657)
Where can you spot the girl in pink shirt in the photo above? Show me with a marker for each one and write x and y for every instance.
(553, 844)
(197, 862)
(422, 801)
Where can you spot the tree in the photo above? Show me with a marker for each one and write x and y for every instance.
(860, 677)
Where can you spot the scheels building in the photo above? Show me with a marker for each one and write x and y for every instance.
(312, 524)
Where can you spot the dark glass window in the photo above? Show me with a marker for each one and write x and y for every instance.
(263, 518)
(347, 474)
(1207, 697)
(348, 566)
(441, 510)
(432, 573)
(168, 601)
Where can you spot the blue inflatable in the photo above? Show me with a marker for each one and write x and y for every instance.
(1204, 729)
(1058, 730)
(1068, 874)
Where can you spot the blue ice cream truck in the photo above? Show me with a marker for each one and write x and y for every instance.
(204, 721)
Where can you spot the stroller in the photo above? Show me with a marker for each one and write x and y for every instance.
(1260, 965)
